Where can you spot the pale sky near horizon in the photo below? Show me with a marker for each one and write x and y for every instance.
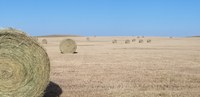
(103, 17)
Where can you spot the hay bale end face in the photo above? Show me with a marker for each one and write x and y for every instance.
(44, 41)
(114, 41)
(127, 41)
(141, 41)
(24, 66)
(68, 46)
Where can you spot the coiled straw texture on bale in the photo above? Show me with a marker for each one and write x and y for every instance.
(24, 66)
(68, 46)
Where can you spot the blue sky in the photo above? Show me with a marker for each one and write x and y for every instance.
(103, 17)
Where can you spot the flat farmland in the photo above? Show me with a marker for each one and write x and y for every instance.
(166, 67)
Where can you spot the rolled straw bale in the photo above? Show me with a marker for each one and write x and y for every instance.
(68, 46)
(127, 41)
(114, 41)
(44, 41)
(140, 41)
(24, 65)
(133, 40)
(149, 41)
(88, 39)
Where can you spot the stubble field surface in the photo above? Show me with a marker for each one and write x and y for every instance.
(166, 67)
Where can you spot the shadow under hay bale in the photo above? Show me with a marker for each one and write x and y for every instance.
(68, 46)
(44, 41)
(114, 41)
(141, 41)
(24, 66)
(127, 41)
(53, 90)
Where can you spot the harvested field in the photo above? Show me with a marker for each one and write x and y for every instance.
(164, 68)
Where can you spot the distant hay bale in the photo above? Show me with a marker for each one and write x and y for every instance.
(114, 41)
(138, 36)
(88, 39)
(133, 40)
(68, 46)
(127, 41)
(140, 41)
(24, 65)
(44, 41)
(148, 41)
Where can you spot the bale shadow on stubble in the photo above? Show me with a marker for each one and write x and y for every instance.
(53, 90)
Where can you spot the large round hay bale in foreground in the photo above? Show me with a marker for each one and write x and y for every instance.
(44, 41)
(24, 66)
(68, 46)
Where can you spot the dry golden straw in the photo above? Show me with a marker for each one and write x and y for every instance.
(34, 38)
(24, 65)
(68, 46)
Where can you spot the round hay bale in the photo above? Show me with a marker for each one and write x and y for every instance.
(24, 66)
(127, 41)
(44, 41)
(141, 41)
(88, 39)
(133, 40)
(68, 46)
(138, 36)
(148, 41)
(114, 41)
